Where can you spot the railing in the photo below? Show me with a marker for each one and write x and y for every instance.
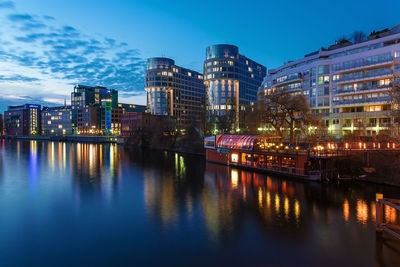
(362, 100)
(370, 75)
(362, 89)
(391, 229)
(363, 64)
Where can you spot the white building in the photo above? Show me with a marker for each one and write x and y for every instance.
(348, 85)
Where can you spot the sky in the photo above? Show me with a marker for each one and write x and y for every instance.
(48, 46)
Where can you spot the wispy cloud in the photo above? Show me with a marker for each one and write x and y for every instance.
(7, 4)
(64, 54)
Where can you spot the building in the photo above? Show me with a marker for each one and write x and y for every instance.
(232, 81)
(101, 101)
(174, 91)
(348, 84)
(88, 120)
(131, 107)
(57, 120)
(1, 124)
(134, 122)
(22, 120)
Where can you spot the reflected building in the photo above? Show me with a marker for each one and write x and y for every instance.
(174, 91)
(232, 81)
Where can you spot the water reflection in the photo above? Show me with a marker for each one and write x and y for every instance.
(176, 200)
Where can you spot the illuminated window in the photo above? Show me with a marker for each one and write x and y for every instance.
(235, 158)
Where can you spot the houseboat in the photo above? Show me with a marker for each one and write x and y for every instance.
(266, 153)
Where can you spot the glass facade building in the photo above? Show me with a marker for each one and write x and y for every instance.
(174, 91)
(347, 84)
(232, 81)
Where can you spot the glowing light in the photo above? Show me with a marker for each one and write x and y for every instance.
(234, 178)
(260, 198)
(235, 157)
(346, 210)
(277, 204)
(297, 210)
(362, 211)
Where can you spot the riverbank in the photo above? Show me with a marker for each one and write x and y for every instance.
(69, 138)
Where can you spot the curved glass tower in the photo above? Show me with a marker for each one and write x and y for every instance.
(232, 81)
(174, 91)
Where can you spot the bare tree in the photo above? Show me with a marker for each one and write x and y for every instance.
(283, 109)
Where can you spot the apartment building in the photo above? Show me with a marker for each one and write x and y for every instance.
(347, 84)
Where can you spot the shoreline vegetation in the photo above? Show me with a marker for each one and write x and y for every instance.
(378, 167)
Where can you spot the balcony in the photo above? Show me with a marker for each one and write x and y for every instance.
(288, 80)
(364, 65)
(361, 115)
(371, 76)
(366, 89)
(362, 101)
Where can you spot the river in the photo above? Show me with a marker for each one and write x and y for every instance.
(68, 204)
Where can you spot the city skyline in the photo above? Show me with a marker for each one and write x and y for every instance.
(48, 47)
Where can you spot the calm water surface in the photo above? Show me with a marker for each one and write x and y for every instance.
(65, 204)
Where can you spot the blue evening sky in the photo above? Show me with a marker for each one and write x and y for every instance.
(46, 46)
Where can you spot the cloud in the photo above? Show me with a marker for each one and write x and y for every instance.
(64, 53)
(20, 17)
(7, 4)
(18, 78)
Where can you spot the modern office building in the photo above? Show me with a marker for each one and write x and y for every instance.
(96, 97)
(174, 91)
(22, 120)
(131, 107)
(89, 120)
(57, 120)
(232, 81)
(348, 84)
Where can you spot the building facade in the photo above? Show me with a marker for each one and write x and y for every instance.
(1, 124)
(348, 84)
(174, 91)
(89, 120)
(98, 101)
(131, 107)
(133, 123)
(57, 120)
(23, 120)
(232, 81)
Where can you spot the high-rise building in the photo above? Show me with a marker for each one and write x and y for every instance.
(22, 120)
(57, 120)
(232, 81)
(348, 84)
(99, 98)
(174, 91)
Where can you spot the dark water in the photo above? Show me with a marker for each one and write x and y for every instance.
(81, 204)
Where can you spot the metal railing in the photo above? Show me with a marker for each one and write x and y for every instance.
(363, 89)
(362, 101)
(364, 63)
(365, 76)
(392, 229)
